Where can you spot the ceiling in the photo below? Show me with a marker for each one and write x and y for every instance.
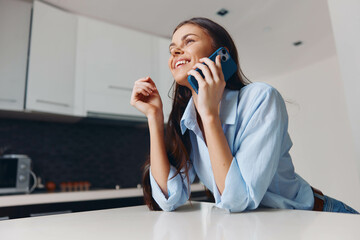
(264, 30)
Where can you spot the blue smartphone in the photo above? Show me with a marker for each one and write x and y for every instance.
(228, 66)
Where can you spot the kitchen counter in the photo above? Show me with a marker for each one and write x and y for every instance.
(39, 204)
(58, 197)
(196, 221)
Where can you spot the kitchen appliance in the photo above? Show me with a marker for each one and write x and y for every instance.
(15, 171)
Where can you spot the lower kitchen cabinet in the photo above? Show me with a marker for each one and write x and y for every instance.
(66, 207)
(51, 208)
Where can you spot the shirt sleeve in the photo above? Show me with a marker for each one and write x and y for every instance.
(258, 148)
(178, 189)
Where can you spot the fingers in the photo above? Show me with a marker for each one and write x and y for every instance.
(144, 90)
(147, 84)
(205, 71)
(137, 94)
(215, 68)
(198, 77)
(144, 87)
(212, 71)
(218, 62)
(148, 81)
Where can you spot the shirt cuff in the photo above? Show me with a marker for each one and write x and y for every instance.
(234, 197)
(174, 187)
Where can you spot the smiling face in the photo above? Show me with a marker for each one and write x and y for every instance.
(189, 44)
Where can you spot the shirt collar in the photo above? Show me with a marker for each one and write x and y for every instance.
(228, 107)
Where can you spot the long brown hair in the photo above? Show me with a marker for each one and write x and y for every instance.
(178, 146)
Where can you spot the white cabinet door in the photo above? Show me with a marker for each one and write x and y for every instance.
(110, 59)
(85, 67)
(51, 76)
(162, 75)
(14, 38)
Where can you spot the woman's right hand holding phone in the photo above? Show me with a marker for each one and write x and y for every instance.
(146, 98)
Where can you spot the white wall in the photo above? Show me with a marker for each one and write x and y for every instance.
(323, 151)
(345, 18)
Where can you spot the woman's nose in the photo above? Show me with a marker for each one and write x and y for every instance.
(177, 51)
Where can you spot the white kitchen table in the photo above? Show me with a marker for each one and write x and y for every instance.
(196, 221)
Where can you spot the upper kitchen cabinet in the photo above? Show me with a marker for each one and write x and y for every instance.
(85, 67)
(162, 75)
(110, 59)
(52, 69)
(14, 38)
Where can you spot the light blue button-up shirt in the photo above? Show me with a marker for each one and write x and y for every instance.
(255, 123)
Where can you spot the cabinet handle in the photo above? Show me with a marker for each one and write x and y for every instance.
(8, 100)
(120, 88)
(52, 103)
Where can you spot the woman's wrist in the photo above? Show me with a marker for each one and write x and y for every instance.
(210, 119)
(156, 117)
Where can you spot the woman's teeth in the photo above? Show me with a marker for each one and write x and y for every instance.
(181, 63)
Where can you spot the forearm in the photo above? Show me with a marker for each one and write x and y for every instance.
(159, 162)
(219, 151)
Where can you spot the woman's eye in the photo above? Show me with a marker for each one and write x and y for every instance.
(189, 40)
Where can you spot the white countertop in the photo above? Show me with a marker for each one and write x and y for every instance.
(40, 198)
(199, 221)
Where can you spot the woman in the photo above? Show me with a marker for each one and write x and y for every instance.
(233, 135)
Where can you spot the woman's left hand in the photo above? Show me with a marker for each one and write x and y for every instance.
(211, 87)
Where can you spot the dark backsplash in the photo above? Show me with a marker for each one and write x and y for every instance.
(103, 154)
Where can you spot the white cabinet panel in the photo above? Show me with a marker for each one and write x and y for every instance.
(51, 77)
(162, 75)
(113, 106)
(14, 38)
(115, 55)
(81, 66)
(111, 58)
